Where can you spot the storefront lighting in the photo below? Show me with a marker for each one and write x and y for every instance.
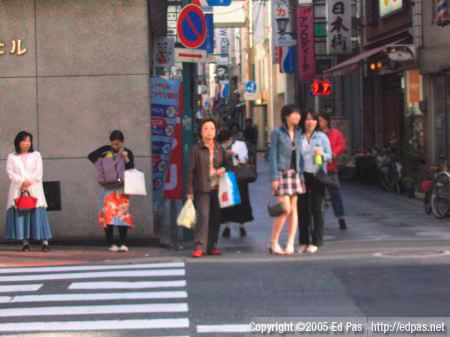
(379, 65)
(372, 66)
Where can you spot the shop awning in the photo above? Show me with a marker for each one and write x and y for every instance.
(350, 65)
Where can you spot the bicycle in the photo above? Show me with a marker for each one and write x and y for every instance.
(389, 170)
(440, 193)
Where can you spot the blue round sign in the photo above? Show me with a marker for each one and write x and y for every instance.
(191, 26)
(250, 87)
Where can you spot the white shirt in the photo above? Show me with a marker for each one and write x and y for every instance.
(240, 152)
(308, 155)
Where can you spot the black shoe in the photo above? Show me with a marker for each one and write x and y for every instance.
(226, 233)
(242, 231)
(45, 248)
(26, 248)
(342, 224)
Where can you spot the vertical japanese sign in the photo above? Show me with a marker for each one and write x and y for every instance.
(174, 184)
(339, 27)
(208, 45)
(282, 35)
(305, 31)
(165, 97)
(164, 52)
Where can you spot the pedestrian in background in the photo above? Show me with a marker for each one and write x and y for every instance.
(251, 138)
(25, 171)
(316, 151)
(237, 154)
(114, 204)
(286, 173)
(236, 132)
(338, 147)
(206, 164)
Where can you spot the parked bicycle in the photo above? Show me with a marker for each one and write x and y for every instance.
(440, 192)
(389, 170)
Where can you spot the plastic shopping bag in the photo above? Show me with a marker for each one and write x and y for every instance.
(187, 217)
(134, 182)
(228, 190)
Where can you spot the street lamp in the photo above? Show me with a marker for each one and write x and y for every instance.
(282, 25)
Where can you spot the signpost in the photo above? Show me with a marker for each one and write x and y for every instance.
(191, 26)
(250, 87)
(190, 55)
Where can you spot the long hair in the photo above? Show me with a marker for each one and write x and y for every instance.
(305, 114)
(21, 136)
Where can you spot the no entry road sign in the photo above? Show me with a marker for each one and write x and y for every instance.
(191, 26)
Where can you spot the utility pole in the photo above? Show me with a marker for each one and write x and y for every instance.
(248, 104)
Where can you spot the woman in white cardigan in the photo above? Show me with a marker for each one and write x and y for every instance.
(24, 168)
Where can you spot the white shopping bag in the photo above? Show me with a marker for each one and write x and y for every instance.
(228, 190)
(187, 217)
(134, 182)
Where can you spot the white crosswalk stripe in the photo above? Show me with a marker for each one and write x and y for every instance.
(145, 296)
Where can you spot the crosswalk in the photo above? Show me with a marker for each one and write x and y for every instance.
(150, 299)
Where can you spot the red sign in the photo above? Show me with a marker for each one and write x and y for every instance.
(305, 32)
(191, 26)
(321, 88)
(174, 186)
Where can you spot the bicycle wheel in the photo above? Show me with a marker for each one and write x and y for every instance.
(440, 202)
(387, 176)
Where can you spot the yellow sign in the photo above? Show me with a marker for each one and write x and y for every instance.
(16, 48)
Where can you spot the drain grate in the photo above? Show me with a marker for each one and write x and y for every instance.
(413, 253)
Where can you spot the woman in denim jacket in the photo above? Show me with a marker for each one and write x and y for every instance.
(316, 152)
(286, 173)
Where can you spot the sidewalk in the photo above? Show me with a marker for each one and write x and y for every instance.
(375, 218)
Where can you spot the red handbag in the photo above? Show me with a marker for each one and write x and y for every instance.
(25, 203)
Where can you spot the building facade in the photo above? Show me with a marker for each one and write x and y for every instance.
(85, 72)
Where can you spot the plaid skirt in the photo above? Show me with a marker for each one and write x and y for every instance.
(290, 183)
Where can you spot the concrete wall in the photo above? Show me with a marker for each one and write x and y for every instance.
(85, 73)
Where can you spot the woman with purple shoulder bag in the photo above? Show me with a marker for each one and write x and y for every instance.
(114, 204)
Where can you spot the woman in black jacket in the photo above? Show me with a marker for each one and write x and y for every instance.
(114, 210)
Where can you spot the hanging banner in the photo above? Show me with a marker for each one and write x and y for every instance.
(165, 96)
(222, 45)
(305, 30)
(339, 27)
(287, 60)
(282, 23)
(174, 186)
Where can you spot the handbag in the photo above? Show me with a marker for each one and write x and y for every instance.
(134, 182)
(276, 209)
(245, 173)
(110, 171)
(326, 180)
(25, 203)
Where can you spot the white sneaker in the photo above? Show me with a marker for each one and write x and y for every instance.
(113, 248)
(123, 248)
(311, 249)
(302, 249)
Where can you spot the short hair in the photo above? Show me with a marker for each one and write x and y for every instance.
(203, 122)
(116, 135)
(305, 114)
(287, 110)
(327, 117)
(21, 136)
(223, 135)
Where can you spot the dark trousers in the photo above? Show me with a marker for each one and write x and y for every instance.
(336, 199)
(310, 216)
(208, 220)
(109, 231)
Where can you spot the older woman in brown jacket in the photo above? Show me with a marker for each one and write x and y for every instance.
(206, 165)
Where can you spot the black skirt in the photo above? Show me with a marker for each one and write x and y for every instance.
(240, 213)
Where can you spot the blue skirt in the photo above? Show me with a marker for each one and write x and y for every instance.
(27, 225)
